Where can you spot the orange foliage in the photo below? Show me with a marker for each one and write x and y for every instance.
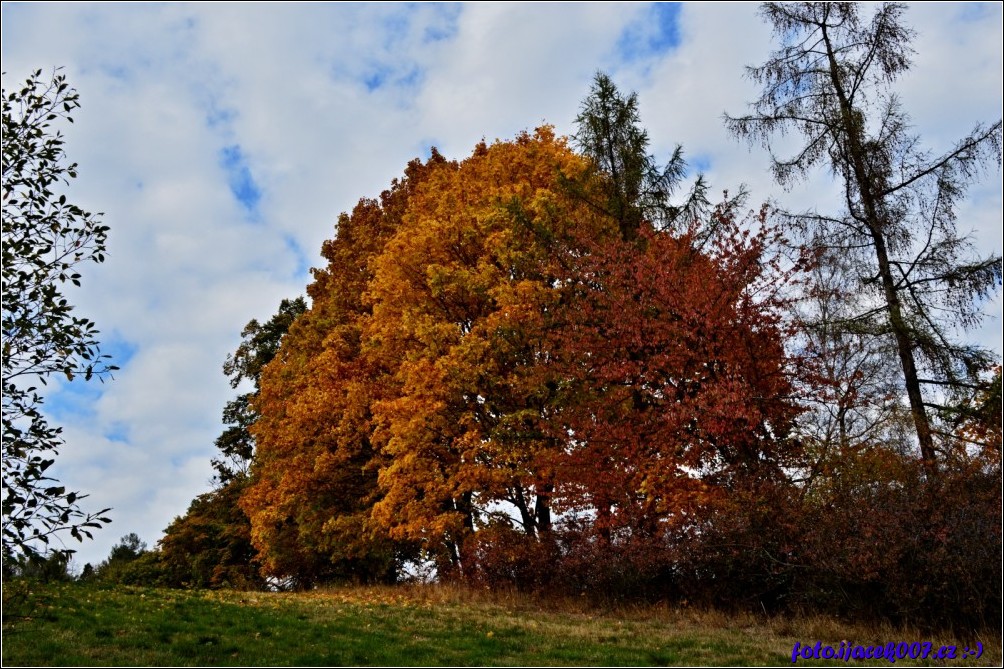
(463, 296)
(313, 479)
(484, 346)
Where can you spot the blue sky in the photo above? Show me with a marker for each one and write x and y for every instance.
(221, 141)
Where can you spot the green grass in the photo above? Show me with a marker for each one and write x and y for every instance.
(75, 624)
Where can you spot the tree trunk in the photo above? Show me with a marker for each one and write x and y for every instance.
(542, 507)
(849, 129)
(525, 517)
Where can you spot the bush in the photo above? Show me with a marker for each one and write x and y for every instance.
(501, 557)
(907, 549)
(743, 552)
(870, 538)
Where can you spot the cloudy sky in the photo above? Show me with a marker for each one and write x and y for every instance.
(222, 141)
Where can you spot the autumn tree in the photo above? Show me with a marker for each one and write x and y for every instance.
(314, 479)
(831, 82)
(463, 296)
(460, 378)
(46, 239)
(545, 362)
(677, 388)
(501, 345)
(639, 341)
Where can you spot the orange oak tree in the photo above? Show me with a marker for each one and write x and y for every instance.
(314, 478)
(463, 298)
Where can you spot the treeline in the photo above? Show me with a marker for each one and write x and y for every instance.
(553, 366)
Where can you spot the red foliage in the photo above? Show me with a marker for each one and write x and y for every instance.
(675, 377)
(491, 373)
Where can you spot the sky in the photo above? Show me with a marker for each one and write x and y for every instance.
(221, 141)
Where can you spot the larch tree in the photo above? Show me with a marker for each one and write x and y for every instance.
(635, 187)
(831, 83)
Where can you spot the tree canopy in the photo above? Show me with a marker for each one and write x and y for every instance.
(486, 348)
(46, 239)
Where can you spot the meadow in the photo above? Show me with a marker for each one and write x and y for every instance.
(70, 624)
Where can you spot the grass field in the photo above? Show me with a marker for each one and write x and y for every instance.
(75, 624)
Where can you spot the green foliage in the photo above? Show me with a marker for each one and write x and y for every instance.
(45, 238)
(636, 187)
(259, 344)
(129, 563)
(43, 568)
(146, 570)
(210, 546)
(128, 548)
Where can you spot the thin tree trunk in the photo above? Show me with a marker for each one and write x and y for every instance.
(543, 507)
(852, 131)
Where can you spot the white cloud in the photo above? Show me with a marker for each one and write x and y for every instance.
(513, 67)
(327, 103)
